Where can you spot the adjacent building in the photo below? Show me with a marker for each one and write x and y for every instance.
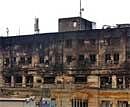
(79, 66)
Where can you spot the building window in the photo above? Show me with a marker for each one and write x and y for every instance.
(106, 104)
(122, 103)
(79, 103)
(119, 81)
(22, 60)
(49, 80)
(68, 59)
(41, 59)
(74, 24)
(105, 82)
(116, 58)
(80, 79)
(108, 58)
(92, 58)
(81, 58)
(68, 43)
(29, 60)
(6, 62)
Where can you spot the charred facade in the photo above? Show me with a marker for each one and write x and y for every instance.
(82, 68)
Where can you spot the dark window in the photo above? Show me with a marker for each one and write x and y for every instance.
(79, 103)
(68, 43)
(81, 58)
(39, 81)
(128, 54)
(68, 59)
(122, 104)
(107, 58)
(14, 60)
(22, 60)
(6, 62)
(105, 82)
(41, 59)
(29, 60)
(106, 104)
(92, 58)
(108, 41)
(116, 58)
(49, 80)
(80, 79)
(18, 79)
(119, 81)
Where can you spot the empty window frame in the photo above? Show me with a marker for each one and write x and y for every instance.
(41, 59)
(22, 60)
(81, 58)
(105, 82)
(127, 81)
(80, 79)
(119, 81)
(68, 59)
(79, 103)
(68, 43)
(6, 61)
(116, 58)
(108, 58)
(29, 60)
(106, 103)
(49, 80)
(92, 58)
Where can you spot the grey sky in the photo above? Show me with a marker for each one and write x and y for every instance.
(17, 14)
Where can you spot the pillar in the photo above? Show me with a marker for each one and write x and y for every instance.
(114, 81)
(124, 85)
(12, 81)
(23, 81)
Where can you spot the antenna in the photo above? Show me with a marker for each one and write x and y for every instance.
(81, 9)
(36, 25)
(7, 31)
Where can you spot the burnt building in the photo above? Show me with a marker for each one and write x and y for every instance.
(80, 67)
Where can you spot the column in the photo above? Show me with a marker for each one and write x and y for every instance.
(124, 85)
(23, 81)
(12, 81)
(114, 81)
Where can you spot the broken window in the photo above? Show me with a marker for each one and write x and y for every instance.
(116, 58)
(18, 81)
(29, 81)
(49, 80)
(108, 58)
(122, 103)
(58, 59)
(106, 104)
(127, 81)
(41, 59)
(6, 62)
(29, 60)
(92, 58)
(39, 81)
(80, 79)
(79, 103)
(119, 81)
(68, 43)
(68, 59)
(106, 82)
(22, 60)
(81, 58)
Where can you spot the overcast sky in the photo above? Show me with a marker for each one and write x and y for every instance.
(20, 14)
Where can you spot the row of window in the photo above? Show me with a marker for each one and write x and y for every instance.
(108, 103)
